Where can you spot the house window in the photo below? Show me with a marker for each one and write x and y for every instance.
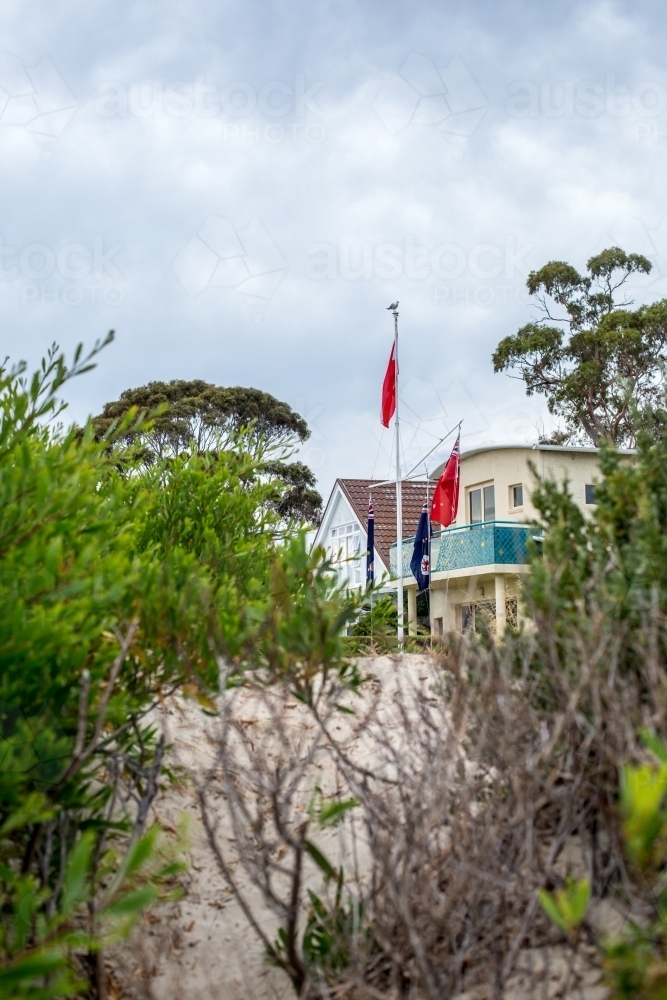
(489, 503)
(590, 494)
(475, 506)
(477, 615)
(516, 493)
(482, 504)
(346, 553)
(512, 613)
(482, 614)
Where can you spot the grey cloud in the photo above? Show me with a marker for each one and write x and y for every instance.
(416, 177)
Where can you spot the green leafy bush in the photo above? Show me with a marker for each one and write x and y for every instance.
(374, 630)
(117, 583)
(597, 594)
(609, 566)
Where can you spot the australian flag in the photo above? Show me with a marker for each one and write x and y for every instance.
(420, 562)
(370, 554)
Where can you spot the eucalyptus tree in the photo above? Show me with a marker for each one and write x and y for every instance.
(596, 360)
(210, 419)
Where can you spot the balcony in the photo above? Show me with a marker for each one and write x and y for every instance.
(470, 546)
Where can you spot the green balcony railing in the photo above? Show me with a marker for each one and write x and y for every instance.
(483, 544)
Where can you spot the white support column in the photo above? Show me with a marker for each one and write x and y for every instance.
(501, 616)
(412, 610)
(443, 609)
(450, 610)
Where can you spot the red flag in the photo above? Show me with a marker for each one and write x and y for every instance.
(389, 390)
(446, 496)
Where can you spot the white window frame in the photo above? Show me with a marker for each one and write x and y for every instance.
(344, 546)
(481, 487)
(514, 506)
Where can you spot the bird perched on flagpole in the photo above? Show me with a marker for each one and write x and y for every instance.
(394, 305)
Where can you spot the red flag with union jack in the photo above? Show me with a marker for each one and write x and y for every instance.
(446, 496)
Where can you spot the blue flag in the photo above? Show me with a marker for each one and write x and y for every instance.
(370, 554)
(421, 557)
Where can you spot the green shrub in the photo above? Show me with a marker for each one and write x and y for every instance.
(117, 583)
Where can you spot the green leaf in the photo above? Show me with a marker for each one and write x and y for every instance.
(551, 909)
(35, 808)
(567, 907)
(132, 903)
(41, 963)
(580, 897)
(78, 866)
(141, 851)
(332, 812)
(652, 743)
(320, 860)
(318, 906)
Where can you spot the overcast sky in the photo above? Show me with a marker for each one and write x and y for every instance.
(240, 189)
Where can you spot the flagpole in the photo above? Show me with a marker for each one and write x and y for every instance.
(399, 498)
(430, 568)
(370, 577)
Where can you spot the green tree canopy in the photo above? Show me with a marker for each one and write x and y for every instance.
(602, 359)
(207, 414)
(212, 417)
(300, 501)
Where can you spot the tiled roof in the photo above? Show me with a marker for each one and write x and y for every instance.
(384, 505)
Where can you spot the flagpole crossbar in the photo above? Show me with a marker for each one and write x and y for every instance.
(391, 482)
(424, 457)
(409, 476)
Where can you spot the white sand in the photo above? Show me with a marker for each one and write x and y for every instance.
(208, 949)
(203, 946)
